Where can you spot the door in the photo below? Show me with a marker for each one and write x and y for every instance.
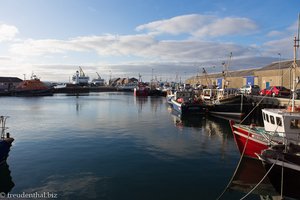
(267, 84)
(249, 80)
(219, 82)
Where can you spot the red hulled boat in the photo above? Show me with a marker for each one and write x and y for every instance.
(281, 126)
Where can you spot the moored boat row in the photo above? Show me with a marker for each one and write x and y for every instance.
(276, 143)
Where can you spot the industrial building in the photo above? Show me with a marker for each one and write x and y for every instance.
(274, 74)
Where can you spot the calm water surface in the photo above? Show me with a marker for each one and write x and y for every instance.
(116, 146)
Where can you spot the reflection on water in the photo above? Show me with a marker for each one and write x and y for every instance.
(248, 175)
(116, 146)
(72, 187)
(6, 182)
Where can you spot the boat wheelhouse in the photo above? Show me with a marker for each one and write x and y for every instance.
(185, 103)
(282, 122)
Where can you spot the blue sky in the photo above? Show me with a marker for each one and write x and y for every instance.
(123, 38)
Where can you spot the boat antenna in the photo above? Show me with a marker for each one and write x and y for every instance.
(298, 30)
(296, 46)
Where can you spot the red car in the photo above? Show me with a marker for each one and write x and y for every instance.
(276, 91)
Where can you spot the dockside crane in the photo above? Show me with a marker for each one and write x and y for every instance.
(81, 73)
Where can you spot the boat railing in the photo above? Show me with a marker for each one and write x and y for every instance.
(3, 127)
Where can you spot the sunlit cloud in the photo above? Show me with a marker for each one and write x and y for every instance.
(275, 33)
(7, 32)
(283, 46)
(201, 26)
(177, 25)
(143, 46)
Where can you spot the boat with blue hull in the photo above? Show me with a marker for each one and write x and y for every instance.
(185, 103)
(5, 140)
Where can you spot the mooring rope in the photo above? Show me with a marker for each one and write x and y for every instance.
(242, 155)
(260, 180)
(236, 169)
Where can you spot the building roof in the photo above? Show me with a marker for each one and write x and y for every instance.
(10, 79)
(279, 65)
(250, 72)
(239, 73)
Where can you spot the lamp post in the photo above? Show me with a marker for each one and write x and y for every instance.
(279, 54)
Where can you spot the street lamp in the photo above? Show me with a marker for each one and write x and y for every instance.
(279, 70)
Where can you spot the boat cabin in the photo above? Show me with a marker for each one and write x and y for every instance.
(210, 94)
(214, 94)
(185, 95)
(283, 122)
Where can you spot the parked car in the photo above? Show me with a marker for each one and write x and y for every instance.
(297, 93)
(250, 89)
(276, 91)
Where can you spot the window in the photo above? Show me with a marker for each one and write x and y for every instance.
(267, 116)
(272, 119)
(278, 121)
(295, 124)
(264, 116)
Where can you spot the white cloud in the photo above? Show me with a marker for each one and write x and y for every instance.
(201, 26)
(283, 46)
(104, 45)
(274, 33)
(142, 46)
(7, 32)
(177, 25)
(226, 26)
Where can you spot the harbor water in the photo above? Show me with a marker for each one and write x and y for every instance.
(115, 146)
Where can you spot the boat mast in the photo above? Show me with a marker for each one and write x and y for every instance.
(225, 70)
(296, 46)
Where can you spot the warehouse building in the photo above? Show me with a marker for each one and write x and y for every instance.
(276, 73)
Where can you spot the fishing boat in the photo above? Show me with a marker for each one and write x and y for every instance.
(32, 87)
(282, 163)
(185, 103)
(169, 97)
(224, 103)
(281, 126)
(141, 90)
(5, 140)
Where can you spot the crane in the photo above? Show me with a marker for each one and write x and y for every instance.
(208, 81)
(81, 71)
(98, 75)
